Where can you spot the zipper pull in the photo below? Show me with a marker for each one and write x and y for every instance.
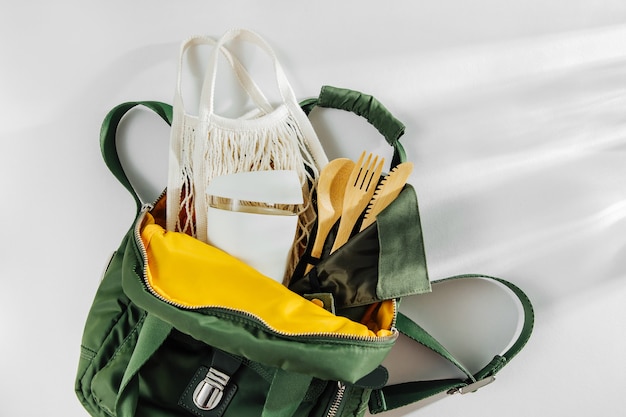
(145, 207)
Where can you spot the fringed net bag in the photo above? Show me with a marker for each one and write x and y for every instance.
(276, 137)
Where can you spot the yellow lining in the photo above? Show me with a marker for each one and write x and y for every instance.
(193, 274)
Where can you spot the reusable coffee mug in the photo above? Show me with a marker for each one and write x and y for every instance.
(253, 217)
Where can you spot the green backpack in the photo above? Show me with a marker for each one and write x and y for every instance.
(179, 328)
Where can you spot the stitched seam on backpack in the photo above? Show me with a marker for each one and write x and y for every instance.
(96, 398)
(87, 353)
(108, 333)
(196, 379)
(124, 342)
(259, 369)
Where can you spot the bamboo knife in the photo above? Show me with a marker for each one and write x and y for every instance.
(387, 191)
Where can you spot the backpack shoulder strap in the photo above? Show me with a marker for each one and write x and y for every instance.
(398, 395)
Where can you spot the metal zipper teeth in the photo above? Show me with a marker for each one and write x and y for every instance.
(334, 407)
(144, 254)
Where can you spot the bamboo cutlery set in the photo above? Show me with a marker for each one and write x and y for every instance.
(347, 191)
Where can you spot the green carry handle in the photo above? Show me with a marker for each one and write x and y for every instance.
(108, 145)
(330, 97)
(365, 106)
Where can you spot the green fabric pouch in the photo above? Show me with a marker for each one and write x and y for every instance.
(384, 261)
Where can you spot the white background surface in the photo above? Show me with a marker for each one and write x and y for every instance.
(516, 121)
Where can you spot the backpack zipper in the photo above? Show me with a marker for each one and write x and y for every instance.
(144, 254)
(335, 405)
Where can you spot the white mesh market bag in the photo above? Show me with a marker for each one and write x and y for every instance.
(272, 137)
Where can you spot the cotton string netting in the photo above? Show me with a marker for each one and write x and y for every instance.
(235, 148)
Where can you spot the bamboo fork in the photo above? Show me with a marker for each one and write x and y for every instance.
(359, 191)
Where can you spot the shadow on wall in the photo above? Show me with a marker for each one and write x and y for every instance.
(526, 179)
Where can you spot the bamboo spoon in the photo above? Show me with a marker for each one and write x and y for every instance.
(331, 186)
